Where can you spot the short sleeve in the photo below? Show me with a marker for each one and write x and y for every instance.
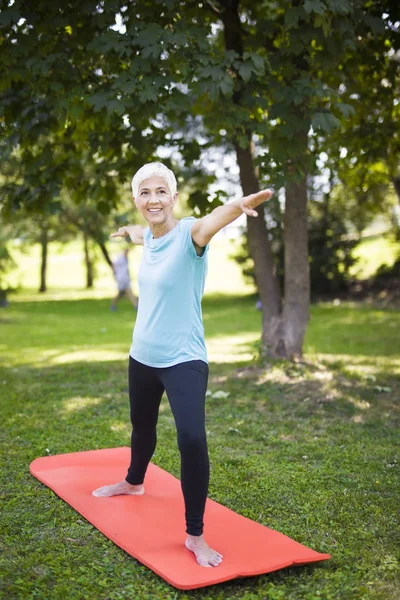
(187, 241)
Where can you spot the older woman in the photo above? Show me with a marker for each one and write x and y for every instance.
(168, 351)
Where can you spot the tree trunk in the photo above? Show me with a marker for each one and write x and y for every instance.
(282, 332)
(88, 261)
(104, 251)
(90, 232)
(259, 244)
(261, 253)
(44, 242)
(297, 268)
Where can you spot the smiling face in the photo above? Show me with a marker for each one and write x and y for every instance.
(154, 200)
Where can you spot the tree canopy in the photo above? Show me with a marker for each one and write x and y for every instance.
(110, 83)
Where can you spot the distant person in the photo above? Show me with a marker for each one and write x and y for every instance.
(123, 279)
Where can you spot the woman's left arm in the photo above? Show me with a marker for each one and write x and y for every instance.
(205, 228)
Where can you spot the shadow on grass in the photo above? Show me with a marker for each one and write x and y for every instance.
(84, 405)
(279, 455)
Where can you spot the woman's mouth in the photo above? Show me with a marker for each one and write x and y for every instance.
(154, 210)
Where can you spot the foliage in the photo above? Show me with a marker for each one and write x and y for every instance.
(386, 271)
(331, 248)
(152, 83)
(366, 149)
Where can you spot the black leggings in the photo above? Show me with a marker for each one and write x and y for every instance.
(186, 385)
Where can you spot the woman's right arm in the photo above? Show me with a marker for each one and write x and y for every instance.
(135, 232)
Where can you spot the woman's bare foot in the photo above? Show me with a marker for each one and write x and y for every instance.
(123, 487)
(205, 556)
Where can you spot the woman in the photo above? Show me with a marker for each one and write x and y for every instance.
(168, 352)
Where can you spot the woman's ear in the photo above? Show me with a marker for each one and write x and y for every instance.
(134, 201)
(175, 198)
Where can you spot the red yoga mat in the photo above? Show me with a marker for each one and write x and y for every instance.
(151, 528)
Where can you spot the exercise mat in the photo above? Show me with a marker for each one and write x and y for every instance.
(151, 528)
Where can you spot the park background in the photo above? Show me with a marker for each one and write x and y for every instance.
(300, 96)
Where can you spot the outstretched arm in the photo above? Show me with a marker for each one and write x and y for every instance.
(135, 232)
(204, 229)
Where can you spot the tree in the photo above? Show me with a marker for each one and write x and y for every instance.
(365, 151)
(274, 87)
(251, 76)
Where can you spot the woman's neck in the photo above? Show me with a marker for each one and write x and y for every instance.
(160, 229)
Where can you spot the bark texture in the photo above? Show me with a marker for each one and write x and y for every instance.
(104, 250)
(297, 268)
(261, 253)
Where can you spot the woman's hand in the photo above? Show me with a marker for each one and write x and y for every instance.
(134, 232)
(249, 203)
(205, 228)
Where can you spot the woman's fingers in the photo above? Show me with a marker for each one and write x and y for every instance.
(250, 212)
(120, 233)
(251, 202)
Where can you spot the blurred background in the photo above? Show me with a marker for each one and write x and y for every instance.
(302, 97)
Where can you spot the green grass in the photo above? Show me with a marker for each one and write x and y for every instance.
(308, 449)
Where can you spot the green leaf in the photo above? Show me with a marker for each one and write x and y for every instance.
(325, 121)
(245, 70)
(10, 15)
(75, 111)
(117, 106)
(213, 92)
(151, 51)
(339, 6)
(149, 35)
(315, 6)
(210, 72)
(98, 101)
(226, 86)
(257, 60)
(324, 22)
(293, 15)
(347, 110)
(375, 24)
(149, 93)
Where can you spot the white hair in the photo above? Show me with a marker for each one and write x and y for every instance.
(154, 169)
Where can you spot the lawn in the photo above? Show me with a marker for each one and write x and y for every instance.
(308, 449)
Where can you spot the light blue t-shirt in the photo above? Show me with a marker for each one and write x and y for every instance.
(169, 327)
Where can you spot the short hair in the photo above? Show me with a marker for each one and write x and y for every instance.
(154, 169)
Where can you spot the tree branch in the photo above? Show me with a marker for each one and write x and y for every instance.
(214, 9)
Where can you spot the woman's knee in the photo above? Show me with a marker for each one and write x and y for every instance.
(192, 443)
